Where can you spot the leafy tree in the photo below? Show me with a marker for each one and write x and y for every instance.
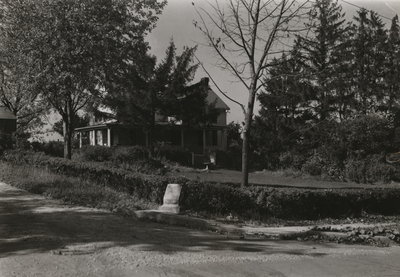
(233, 134)
(79, 121)
(16, 71)
(80, 47)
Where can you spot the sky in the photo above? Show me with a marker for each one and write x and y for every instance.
(176, 22)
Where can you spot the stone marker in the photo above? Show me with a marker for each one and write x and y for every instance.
(171, 199)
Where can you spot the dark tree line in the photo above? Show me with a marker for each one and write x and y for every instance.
(339, 73)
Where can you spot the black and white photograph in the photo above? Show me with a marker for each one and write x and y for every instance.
(199, 138)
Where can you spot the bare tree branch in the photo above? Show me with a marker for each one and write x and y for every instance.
(248, 34)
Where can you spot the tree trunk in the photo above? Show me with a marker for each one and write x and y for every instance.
(67, 140)
(245, 156)
(246, 138)
(68, 130)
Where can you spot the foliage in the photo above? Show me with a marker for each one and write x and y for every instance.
(129, 154)
(16, 69)
(79, 121)
(326, 48)
(6, 142)
(330, 104)
(252, 202)
(161, 89)
(95, 153)
(148, 187)
(71, 190)
(181, 156)
(369, 46)
(371, 169)
(132, 158)
(230, 159)
(86, 44)
(51, 148)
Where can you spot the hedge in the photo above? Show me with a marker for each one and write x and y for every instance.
(256, 202)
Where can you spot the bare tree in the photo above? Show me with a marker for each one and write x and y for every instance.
(246, 35)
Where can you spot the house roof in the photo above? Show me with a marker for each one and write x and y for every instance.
(99, 125)
(212, 97)
(5, 113)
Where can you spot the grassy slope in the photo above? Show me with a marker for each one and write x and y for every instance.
(70, 190)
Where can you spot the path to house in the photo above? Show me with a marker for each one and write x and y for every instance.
(41, 237)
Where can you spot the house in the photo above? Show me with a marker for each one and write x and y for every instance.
(8, 121)
(168, 131)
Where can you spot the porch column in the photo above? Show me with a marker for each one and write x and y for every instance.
(80, 139)
(109, 137)
(204, 141)
(92, 137)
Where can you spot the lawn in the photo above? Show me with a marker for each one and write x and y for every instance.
(271, 178)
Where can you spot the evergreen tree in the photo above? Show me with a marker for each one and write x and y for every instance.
(369, 42)
(162, 89)
(324, 46)
(285, 106)
(392, 67)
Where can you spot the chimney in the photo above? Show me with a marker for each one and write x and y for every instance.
(205, 81)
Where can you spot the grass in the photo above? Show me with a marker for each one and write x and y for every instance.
(70, 190)
(270, 178)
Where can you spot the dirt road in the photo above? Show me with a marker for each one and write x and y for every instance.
(42, 237)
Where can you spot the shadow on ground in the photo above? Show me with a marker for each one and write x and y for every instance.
(33, 224)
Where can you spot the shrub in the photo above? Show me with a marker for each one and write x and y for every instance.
(291, 160)
(371, 169)
(367, 135)
(6, 142)
(129, 154)
(69, 189)
(255, 202)
(51, 148)
(96, 153)
(183, 157)
(149, 187)
(230, 159)
(314, 165)
(147, 166)
(216, 198)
